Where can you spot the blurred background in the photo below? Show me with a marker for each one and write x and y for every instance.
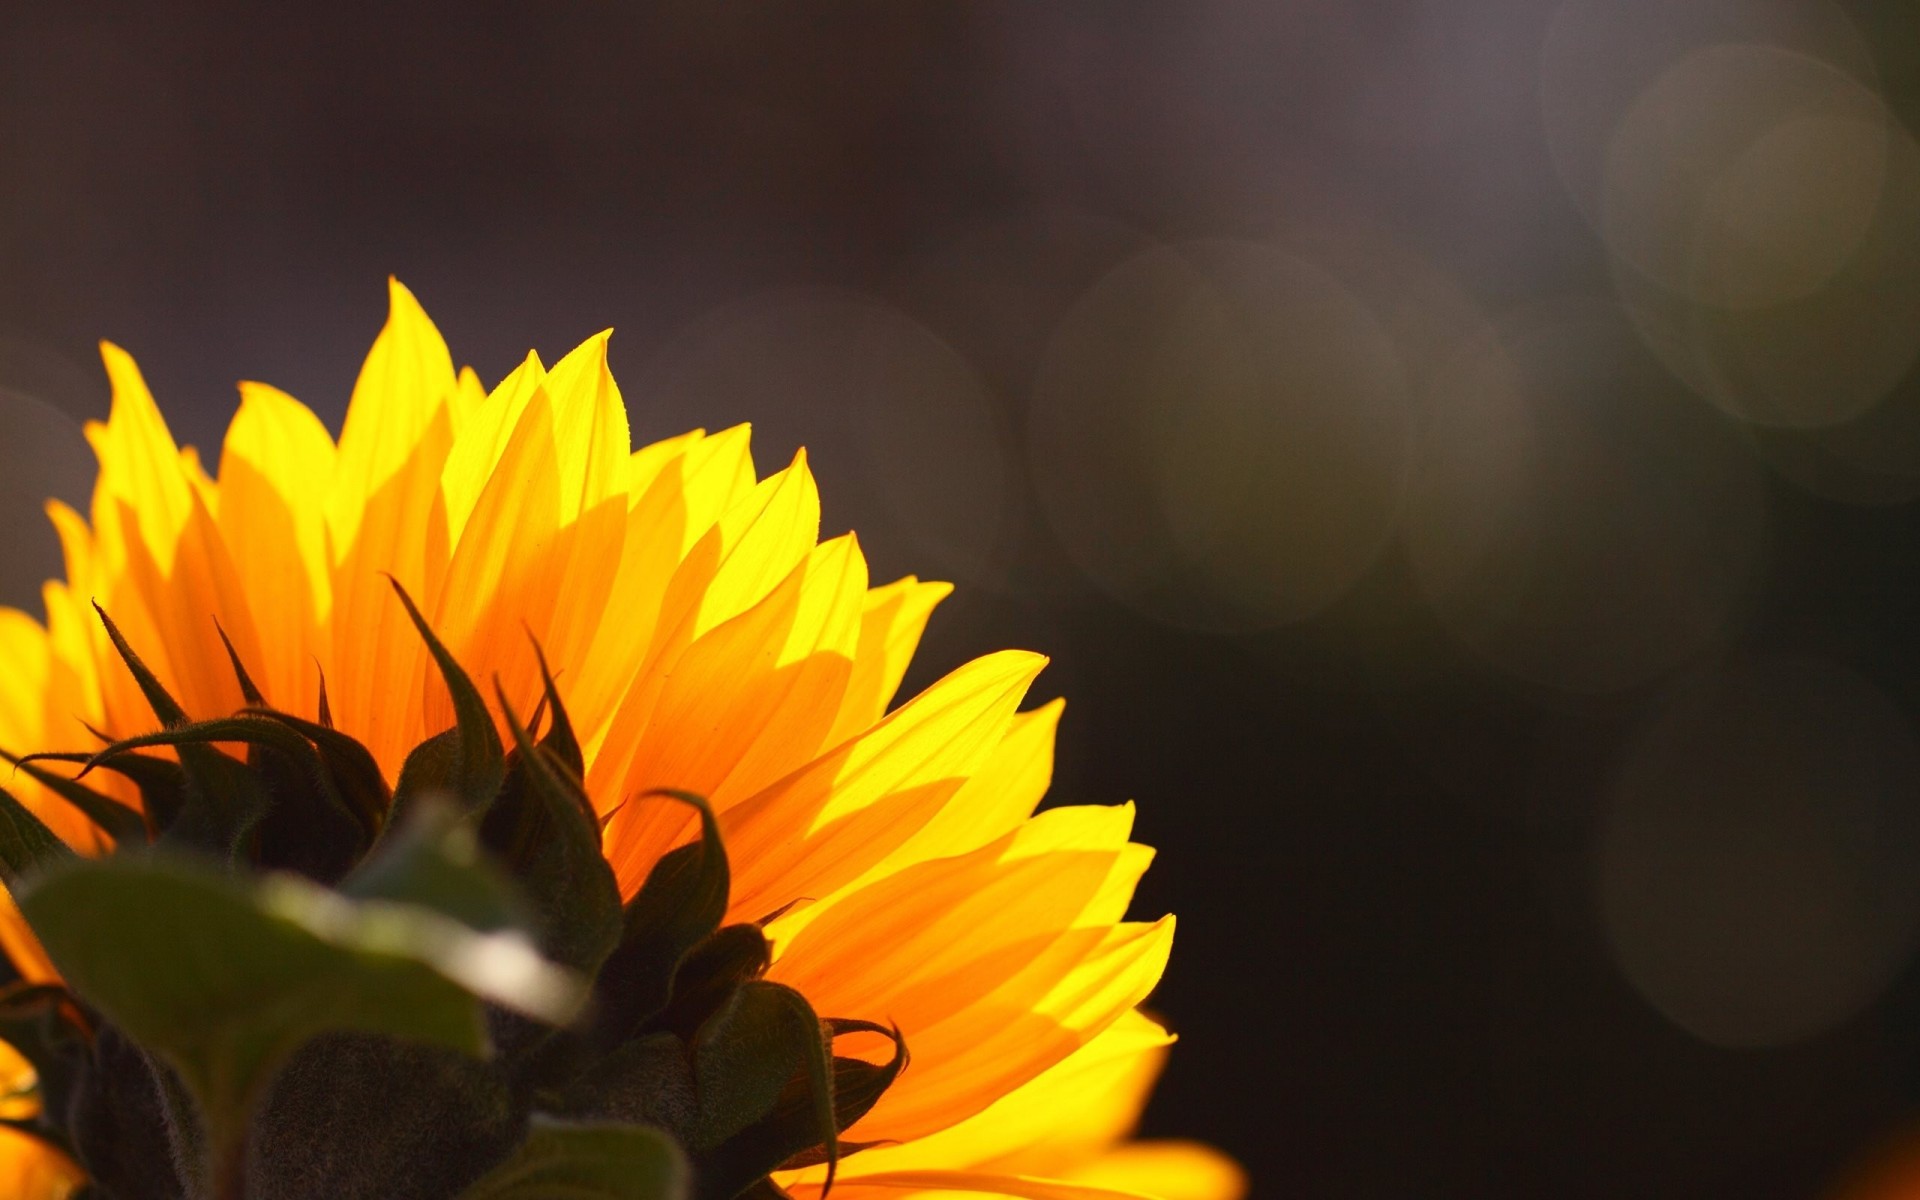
(1461, 455)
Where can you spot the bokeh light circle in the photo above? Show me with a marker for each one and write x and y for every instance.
(1219, 436)
(1600, 56)
(1575, 520)
(1759, 867)
(1745, 176)
(1822, 359)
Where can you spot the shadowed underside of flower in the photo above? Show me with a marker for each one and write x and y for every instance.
(514, 798)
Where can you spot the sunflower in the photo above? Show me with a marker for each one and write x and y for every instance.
(335, 634)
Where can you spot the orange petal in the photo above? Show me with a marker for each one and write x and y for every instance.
(755, 544)
(22, 947)
(965, 1185)
(30, 1169)
(19, 1086)
(745, 704)
(375, 672)
(275, 469)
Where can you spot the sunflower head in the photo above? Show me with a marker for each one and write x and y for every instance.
(477, 807)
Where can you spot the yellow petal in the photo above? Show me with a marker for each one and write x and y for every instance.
(30, 1169)
(825, 824)
(985, 962)
(403, 386)
(755, 544)
(1166, 1170)
(139, 462)
(590, 427)
(481, 440)
(1001, 795)
(688, 492)
(896, 616)
(1062, 1119)
(645, 464)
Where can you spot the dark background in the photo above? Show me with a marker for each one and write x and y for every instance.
(1520, 701)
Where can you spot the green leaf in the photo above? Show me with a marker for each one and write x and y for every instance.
(679, 906)
(543, 827)
(224, 980)
(434, 861)
(472, 764)
(565, 1161)
(119, 822)
(27, 846)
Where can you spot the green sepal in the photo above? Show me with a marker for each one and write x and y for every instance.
(224, 980)
(221, 801)
(739, 1146)
(647, 1081)
(248, 692)
(543, 827)
(306, 824)
(679, 906)
(744, 1055)
(356, 776)
(124, 825)
(27, 846)
(165, 708)
(734, 955)
(471, 764)
(560, 740)
(857, 1085)
(162, 782)
(580, 1161)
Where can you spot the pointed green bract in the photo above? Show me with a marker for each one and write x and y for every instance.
(27, 846)
(164, 706)
(599, 1161)
(471, 764)
(119, 822)
(221, 802)
(543, 826)
(679, 906)
(745, 1054)
(247, 688)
